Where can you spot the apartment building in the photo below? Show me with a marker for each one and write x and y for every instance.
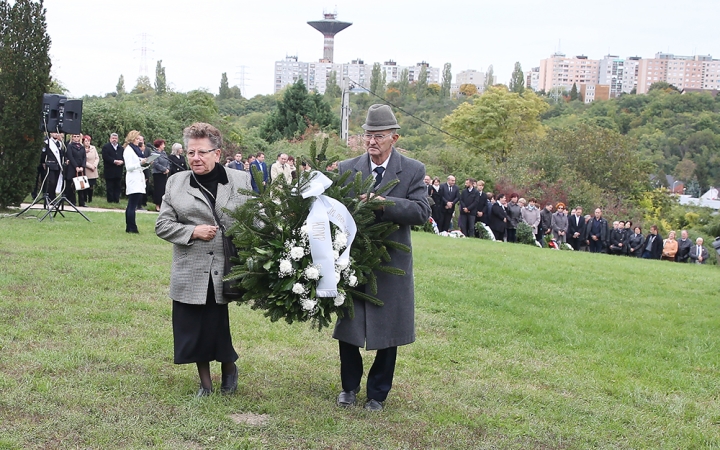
(683, 72)
(560, 71)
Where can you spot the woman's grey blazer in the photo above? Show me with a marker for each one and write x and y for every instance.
(195, 261)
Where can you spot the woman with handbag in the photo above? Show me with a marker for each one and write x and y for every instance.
(193, 218)
(92, 159)
(76, 160)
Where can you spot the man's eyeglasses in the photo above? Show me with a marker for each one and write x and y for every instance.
(377, 137)
(202, 153)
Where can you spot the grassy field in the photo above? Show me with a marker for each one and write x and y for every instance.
(517, 347)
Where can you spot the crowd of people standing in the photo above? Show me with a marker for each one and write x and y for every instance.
(502, 215)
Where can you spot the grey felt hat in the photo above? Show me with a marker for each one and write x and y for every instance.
(380, 117)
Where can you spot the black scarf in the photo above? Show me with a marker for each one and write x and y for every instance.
(137, 150)
(210, 181)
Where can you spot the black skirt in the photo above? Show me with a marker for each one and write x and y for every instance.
(202, 332)
(159, 182)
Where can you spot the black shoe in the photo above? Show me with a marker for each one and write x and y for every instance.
(229, 382)
(135, 232)
(373, 405)
(347, 399)
(203, 392)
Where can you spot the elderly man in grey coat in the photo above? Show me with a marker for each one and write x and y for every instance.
(383, 328)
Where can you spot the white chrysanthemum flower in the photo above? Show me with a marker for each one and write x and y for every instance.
(304, 230)
(339, 299)
(285, 267)
(297, 253)
(298, 288)
(337, 277)
(312, 273)
(340, 241)
(336, 255)
(352, 281)
(341, 265)
(308, 304)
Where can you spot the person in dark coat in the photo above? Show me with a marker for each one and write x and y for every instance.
(383, 328)
(514, 212)
(52, 160)
(469, 201)
(596, 232)
(684, 244)
(545, 222)
(576, 228)
(112, 156)
(260, 166)
(618, 240)
(653, 245)
(76, 160)
(177, 160)
(450, 197)
(437, 207)
(698, 254)
(635, 243)
(498, 217)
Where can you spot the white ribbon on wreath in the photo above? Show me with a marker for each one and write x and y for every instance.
(325, 210)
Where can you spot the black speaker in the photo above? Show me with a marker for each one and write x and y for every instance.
(71, 116)
(50, 114)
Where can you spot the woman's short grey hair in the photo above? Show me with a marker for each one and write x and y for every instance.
(176, 148)
(200, 130)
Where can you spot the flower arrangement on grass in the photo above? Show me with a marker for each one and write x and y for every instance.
(299, 268)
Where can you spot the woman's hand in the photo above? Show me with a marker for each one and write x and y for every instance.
(204, 232)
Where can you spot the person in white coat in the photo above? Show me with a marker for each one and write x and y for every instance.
(134, 178)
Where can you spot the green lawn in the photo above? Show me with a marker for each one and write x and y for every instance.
(517, 347)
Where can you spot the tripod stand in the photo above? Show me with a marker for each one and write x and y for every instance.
(55, 207)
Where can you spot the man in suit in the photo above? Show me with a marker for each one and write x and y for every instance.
(52, 160)
(499, 219)
(545, 222)
(653, 244)
(259, 166)
(596, 232)
(112, 156)
(576, 228)
(383, 328)
(237, 163)
(684, 245)
(469, 202)
(698, 253)
(450, 196)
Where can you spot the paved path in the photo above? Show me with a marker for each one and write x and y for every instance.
(38, 207)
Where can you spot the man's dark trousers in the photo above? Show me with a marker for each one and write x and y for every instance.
(380, 377)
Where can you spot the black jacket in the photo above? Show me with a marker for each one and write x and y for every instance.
(448, 196)
(469, 200)
(47, 157)
(109, 154)
(76, 157)
(574, 227)
(656, 248)
(545, 220)
(498, 218)
(683, 253)
(603, 233)
(636, 242)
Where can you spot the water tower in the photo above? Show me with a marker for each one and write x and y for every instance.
(329, 27)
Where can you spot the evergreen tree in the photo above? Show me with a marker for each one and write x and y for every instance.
(375, 78)
(160, 80)
(224, 92)
(381, 86)
(517, 80)
(422, 82)
(489, 78)
(332, 90)
(24, 78)
(120, 87)
(446, 81)
(298, 110)
(574, 92)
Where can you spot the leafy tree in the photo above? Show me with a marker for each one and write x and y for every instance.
(489, 78)
(404, 83)
(224, 92)
(24, 77)
(662, 86)
(574, 92)
(493, 122)
(375, 78)
(120, 87)
(422, 82)
(468, 90)
(517, 80)
(332, 90)
(446, 80)
(160, 79)
(296, 112)
(142, 85)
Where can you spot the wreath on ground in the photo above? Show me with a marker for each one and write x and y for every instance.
(307, 249)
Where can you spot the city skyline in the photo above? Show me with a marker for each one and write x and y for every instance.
(469, 35)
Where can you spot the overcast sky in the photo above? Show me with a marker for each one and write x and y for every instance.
(94, 41)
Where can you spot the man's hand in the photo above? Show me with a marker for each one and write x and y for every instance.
(465, 210)
(204, 232)
(448, 205)
(365, 198)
